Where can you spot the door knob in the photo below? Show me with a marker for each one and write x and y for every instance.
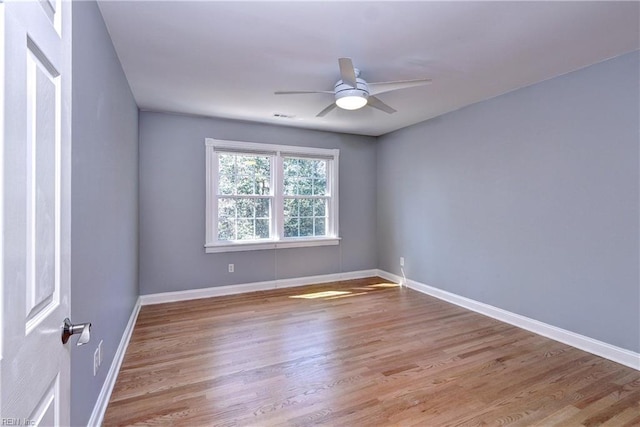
(68, 329)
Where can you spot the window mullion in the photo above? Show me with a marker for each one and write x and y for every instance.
(329, 205)
(278, 185)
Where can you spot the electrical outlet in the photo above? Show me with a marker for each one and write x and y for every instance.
(100, 354)
(96, 361)
(401, 261)
(231, 268)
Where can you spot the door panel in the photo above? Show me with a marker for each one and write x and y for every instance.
(35, 126)
(47, 412)
(43, 114)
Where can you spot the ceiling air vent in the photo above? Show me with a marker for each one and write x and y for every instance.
(283, 116)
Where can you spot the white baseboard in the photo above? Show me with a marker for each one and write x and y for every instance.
(97, 415)
(599, 348)
(251, 287)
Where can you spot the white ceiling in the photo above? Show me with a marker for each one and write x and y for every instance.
(225, 59)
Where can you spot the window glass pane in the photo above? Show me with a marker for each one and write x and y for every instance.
(262, 208)
(226, 164)
(245, 229)
(305, 186)
(262, 228)
(226, 208)
(263, 166)
(290, 186)
(226, 185)
(245, 185)
(291, 227)
(306, 207)
(306, 227)
(319, 207)
(246, 165)
(291, 207)
(226, 228)
(245, 208)
(310, 168)
(321, 169)
(291, 166)
(319, 226)
(263, 185)
(319, 186)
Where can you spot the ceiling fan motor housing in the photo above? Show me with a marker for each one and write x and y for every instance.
(344, 90)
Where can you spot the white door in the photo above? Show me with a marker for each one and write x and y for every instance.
(35, 125)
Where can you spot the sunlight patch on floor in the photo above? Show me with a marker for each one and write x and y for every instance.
(344, 294)
(349, 295)
(323, 294)
(385, 285)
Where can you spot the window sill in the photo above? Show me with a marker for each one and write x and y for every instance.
(213, 248)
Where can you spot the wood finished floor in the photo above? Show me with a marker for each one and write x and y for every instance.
(361, 354)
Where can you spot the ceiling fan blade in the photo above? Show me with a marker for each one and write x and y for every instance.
(347, 72)
(298, 92)
(374, 102)
(382, 87)
(326, 110)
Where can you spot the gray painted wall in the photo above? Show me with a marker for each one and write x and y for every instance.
(104, 210)
(172, 209)
(528, 202)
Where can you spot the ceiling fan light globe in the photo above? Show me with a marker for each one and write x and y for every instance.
(349, 97)
(352, 102)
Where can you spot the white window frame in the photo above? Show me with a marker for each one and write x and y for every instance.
(277, 240)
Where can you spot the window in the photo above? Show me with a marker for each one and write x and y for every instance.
(262, 196)
(244, 196)
(305, 197)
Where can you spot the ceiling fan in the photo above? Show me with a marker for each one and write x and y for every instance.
(353, 92)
